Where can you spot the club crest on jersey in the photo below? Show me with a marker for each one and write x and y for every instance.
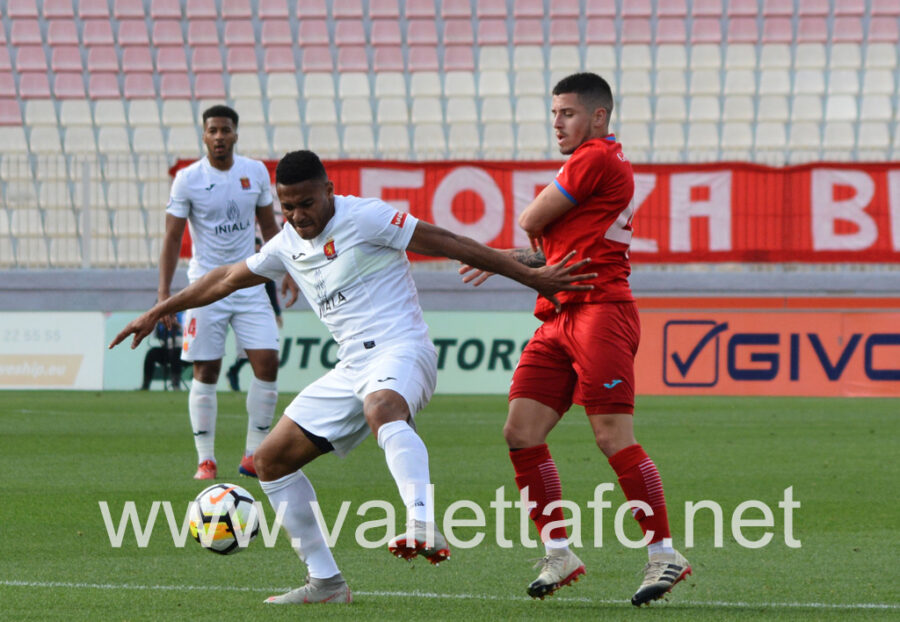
(398, 219)
(329, 250)
(245, 183)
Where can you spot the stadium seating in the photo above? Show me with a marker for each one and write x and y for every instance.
(120, 85)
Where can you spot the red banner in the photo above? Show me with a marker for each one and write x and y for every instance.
(826, 212)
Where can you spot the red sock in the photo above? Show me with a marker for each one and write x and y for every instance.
(536, 470)
(640, 481)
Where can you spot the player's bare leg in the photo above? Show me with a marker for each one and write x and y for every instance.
(278, 461)
(407, 458)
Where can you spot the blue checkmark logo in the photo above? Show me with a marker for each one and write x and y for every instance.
(682, 333)
(610, 385)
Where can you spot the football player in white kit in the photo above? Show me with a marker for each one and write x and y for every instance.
(348, 255)
(222, 197)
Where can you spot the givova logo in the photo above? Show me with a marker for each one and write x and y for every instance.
(691, 352)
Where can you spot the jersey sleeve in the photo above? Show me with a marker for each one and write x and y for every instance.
(581, 174)
(382, 224)
(179, 199)
(265, 187)
(267, 262)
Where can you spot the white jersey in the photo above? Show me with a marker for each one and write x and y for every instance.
(221, 210)
(355, 274)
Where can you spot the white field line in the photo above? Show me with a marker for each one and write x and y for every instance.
(434, 595)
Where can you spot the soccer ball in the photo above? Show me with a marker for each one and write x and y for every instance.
(223, 519)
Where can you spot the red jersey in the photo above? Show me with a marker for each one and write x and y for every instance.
(598, 179)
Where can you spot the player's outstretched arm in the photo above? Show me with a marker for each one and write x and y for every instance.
(431, 240)
(526, 256)
(214, 285)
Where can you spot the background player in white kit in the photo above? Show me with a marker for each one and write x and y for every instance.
(348, 256)
(223, 196)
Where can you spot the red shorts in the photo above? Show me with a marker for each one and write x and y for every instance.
(583, 355)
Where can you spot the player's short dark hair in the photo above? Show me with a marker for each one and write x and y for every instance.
(220, 110)
(592, 90)
(299, 166)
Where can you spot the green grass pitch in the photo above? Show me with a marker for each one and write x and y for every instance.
(65, 452)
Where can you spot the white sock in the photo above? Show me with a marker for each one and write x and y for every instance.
(662, 546)
(202, 407)
(407, 460)
(300, 522)
(556, 544)
(261, 399)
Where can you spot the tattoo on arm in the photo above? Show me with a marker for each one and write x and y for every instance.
(528, 257)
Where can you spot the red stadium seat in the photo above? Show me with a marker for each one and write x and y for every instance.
(742, 30)
(236, 9)
(419, 9)
(31, 58)
(8, 83)
(175, 86)
(62, 32)
(777, 30)
(349, 32)
(421, 32)
(279, 59)
(68, 58)
(165, 9)
(847, 30)
(353, 58)
(813, 7)
(103, 59)
(57, 9)
(388, 58)
(456, 9)
(459, 58)
(459, 32)
(202, 32)
(201, 9)
(206, 59)
(209, 86)
(68, 86)
(741, 8)
(167, 32)
(136, 60)
(423, 58)
(706, 30)
(671, 8)
(128, 9)
(171, 60)
(385, 32)
(564, 32)
(139, 85)
(600, 8)
(5, 63)
(490, 8)
(9, 109)
(133, 32)
(313, 32)
(25, 32)
(706, 8)
(527, 32)
(528, 8)
(600, 30)
(311, 8)
(240, 59)
(812, 30)
(103, 86)
(273, 9)
(885, 7)
(93, 9)
(777, 7)
(850, 7)
(22, 8)
(276, 32)
(317, 59)
(565, 8)
(384, 9)
(636, 8)
(239, 32)
(347, 9)
(670, 30)
(636, 30)
(883, 30)
(490, 32)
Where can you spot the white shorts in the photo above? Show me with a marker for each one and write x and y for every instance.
(332, 406)
(247, 311)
